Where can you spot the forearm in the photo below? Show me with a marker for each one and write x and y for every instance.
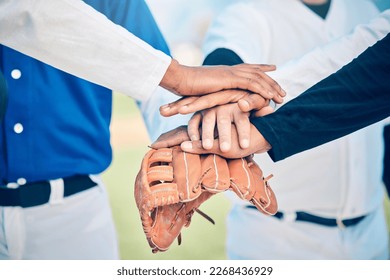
(354, 97)
(302, 73)
(72, 36)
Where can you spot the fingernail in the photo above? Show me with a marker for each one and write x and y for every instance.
(164, 107)
(225, 147)
(245, 143)
(207, 144)
(270, 94)
(284, 92)
(186, 145)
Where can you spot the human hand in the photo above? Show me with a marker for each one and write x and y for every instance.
(258, 143)
(247, 102)
(203, 125)
(171, 138)
(187, 81)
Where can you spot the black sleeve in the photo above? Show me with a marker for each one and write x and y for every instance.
(222, 57)
(352, 98)
(386, 159)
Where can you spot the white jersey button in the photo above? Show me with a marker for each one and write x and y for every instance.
(16, 74)
(18, 128)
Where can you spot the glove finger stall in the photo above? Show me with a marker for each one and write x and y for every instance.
(186, 174)
(248, 183)
(241, 178)
(264, 198)
(163, 155)
(160, 173)
(215, 173)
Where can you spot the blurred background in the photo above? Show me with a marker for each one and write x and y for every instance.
(183, 24)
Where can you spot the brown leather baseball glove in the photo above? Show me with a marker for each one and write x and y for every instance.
(172, 185)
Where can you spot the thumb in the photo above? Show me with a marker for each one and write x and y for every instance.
(252, 102)
(196, 147)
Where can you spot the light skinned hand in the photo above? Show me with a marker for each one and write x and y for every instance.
(176, 136)
(198, 80)
(258, 144)
(220, 118)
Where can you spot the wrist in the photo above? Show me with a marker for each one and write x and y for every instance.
(171, 79)
(261, 144)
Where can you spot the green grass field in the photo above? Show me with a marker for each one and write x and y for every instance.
(201, 241)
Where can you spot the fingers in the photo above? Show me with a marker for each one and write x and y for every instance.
(224, 121)
(242, 124)
(263, 112)
(261, 83)
(174, 107)
(223, 117)
(188, 81)
(193, 126)
(274, 87)
(220, 84)
(253, 82)
(258, 144)
(196, 147)
(227, 115)
(205, 102)
(252, 102)
(208, 126)
(188, 105)
(265, 67)
(171, 138)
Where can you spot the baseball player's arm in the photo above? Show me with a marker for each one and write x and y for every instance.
(356, 96)
(223, 56)
(295, 77)
(352, 98)
(300, 74)
(72, 36)
(219, 116)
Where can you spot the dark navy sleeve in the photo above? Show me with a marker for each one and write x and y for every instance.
(352, 98)
(386, 159)
(222, 57)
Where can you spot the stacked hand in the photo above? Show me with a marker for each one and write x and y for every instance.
(193, 81)
(221, 120)
(174, 181)
(222, 129)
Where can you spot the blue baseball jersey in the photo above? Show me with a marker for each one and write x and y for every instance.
(57, 125)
